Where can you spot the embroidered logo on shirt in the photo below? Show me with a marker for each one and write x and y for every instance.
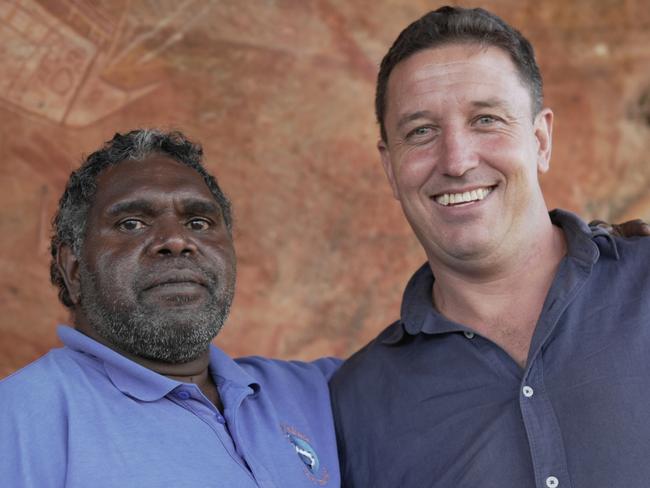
(307, 454)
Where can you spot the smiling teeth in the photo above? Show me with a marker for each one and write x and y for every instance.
(468, 196)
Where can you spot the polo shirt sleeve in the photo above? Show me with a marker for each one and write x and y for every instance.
(278, 372)
(327, 366)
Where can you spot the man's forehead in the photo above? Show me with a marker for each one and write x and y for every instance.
(157, 176)
(152, 163)
(450, 62)
(481, 74)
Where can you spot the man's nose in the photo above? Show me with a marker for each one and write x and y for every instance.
(172, 239)
(459, 154)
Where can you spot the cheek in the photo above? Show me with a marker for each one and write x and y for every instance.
(229, 263)
(509, 159)
(220, 254)
(415, 167)
(114, 271)
(110, 279)
(220, 259)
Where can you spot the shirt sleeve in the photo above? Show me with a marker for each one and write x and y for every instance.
(328, 366)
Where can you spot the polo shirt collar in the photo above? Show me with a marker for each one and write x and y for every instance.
(418, 314)
(417, 308)
(584, 243)
(225, 369)
(142, 383)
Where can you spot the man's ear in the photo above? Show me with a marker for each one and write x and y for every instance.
(544, 134)
(68, 264)
(384, 153)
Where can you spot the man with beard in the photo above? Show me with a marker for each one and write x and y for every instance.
(143, 257)
(521, 355)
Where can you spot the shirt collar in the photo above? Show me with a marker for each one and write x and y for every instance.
(418, 314)
(584, 244)
(417, 306)
(142, 383)
(226, 370)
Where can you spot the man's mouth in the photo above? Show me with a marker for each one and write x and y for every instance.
(176, 278)
(475, 195)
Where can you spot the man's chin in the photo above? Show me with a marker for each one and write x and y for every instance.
(172, 302)
(174, 323)
(173, 357)
(177, 349)
(164, 335)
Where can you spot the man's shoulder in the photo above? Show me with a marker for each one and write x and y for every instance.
(33, 426)
(367, 361)
(33, 399)
(298, 391)
(630, 248)
(267, 370)
(623, 256)
(41, 375)
(622, 274)
(49, 380)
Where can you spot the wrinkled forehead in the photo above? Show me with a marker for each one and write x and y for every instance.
(454, 68)
(157, 177)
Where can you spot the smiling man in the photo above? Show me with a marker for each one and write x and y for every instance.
(138, 397)
(521, 355)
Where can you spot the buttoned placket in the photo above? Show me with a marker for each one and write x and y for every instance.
(192, 399)
(543, 431)
(234, 397)
(542, 428)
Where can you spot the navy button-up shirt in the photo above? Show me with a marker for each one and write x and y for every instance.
(431, 403)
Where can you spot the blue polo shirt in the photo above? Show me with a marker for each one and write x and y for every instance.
(85, 416)
(431, 403)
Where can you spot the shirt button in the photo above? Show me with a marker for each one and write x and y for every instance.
(220, 419)
(528, 392)
(183, 395)
(552, 482)
(469, 335)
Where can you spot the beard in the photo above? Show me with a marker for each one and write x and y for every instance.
(172, 334)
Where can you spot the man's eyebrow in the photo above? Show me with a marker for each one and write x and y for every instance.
(138, 206)
(487, 103)
(199, 207)
(406, 118)
(491, 103)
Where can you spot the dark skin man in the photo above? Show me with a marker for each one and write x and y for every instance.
(142, 230)
(139, 396)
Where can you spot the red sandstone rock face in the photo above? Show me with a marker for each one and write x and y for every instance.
(281, 95)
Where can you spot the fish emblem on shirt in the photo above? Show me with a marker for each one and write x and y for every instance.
(307, 454)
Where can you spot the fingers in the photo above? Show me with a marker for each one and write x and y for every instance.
(632, 228)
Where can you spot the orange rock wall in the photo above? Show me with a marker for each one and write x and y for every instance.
(281, 95)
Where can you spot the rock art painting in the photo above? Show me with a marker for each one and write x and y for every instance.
(280, 93)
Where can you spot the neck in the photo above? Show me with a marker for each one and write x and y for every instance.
(195, 371)
(502, 301)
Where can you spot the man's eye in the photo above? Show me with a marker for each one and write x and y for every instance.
(486, 119)
(419, 132)
(131, 224)
(198, 224)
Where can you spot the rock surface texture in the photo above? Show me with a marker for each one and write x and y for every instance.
(280, 93)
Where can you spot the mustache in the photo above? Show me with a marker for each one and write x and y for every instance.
(176, 270)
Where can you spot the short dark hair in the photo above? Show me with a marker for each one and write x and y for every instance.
(69, 223)
(455, 24)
